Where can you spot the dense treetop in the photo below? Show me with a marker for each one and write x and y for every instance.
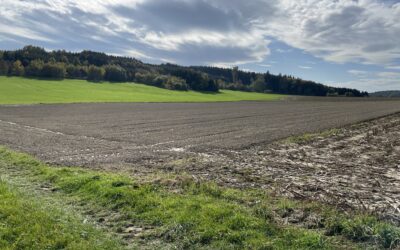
(94, 66)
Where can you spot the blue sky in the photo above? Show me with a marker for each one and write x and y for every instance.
(351, 43)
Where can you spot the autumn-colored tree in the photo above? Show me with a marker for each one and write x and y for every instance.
(17, 68)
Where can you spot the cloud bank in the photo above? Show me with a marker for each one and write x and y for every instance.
(338, 31)
(218, 32)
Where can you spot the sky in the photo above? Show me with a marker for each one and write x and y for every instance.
(346, 43)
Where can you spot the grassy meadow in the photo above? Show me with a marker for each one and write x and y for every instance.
(17, 90)
(166, 212)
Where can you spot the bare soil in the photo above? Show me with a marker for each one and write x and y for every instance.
(234, 144)
(356, 167)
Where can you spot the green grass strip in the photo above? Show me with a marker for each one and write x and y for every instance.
(17, 90)
(187, 214)
(26, 223)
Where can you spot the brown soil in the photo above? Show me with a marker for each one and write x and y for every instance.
(356, 168)
(231, 143)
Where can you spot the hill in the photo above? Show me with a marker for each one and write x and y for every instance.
(18, 90)
(389, 93)
(94, 66)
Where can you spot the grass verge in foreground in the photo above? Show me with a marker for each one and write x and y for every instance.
(26, 224)
(182, 213)
(18, 90)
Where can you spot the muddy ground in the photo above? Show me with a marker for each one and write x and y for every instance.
(231, 143)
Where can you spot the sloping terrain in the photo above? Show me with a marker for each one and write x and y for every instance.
(389, 93)
(18, 90)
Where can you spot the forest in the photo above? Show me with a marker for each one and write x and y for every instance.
(36, 62)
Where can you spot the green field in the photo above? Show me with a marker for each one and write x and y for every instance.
(16, 90)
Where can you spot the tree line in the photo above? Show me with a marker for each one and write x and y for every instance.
(36, 62)
(92, 66)
(236, 79)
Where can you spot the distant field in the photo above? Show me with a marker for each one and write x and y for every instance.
(16, 90)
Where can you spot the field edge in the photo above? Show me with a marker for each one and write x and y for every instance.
(251, 218)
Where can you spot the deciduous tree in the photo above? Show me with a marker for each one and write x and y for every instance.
(54, 70)
(34, 68)
(17, 68)
(95, 74)
(115, 73)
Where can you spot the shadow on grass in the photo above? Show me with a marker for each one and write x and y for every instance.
(116, 82)
(209, 92)
(43, 78)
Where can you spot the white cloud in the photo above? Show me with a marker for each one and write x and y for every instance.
(23, 33)
(373, 84)
(359, 73)
(375, 81)
(94, 22)
(395, 67)
(283, 50)
(341, 31)
(137, 54)
(305, 67)
(215, 32)
(390, 75)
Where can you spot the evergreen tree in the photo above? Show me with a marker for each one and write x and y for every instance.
(3, 68)
(235, 74)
